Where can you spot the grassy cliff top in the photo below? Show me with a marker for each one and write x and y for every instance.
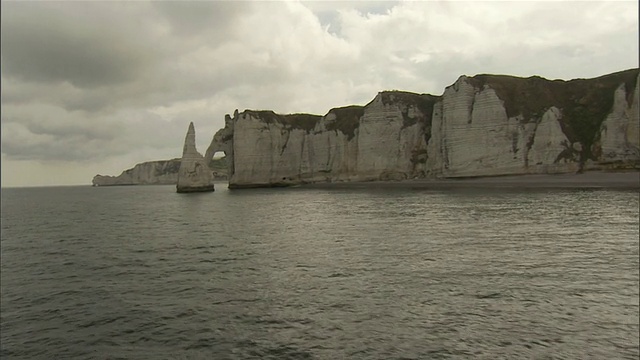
(219, 164)
(585, 103)
(161, 166)
(293, 121)
(410, 98)
(424, 103)
(532, 95)
(347, 119)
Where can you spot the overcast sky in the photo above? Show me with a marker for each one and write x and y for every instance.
(96, 87)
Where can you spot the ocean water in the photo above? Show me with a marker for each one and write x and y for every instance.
(312, 273)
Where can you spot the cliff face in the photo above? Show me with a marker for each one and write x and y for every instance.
(484, 125)
(620, 132)
(163, 172)
(348, 144)
(533, 125)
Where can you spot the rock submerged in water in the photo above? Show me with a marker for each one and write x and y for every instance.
(194, 174)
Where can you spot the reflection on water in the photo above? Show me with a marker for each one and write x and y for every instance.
(142, 272)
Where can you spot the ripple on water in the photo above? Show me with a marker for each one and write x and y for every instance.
(313, 274)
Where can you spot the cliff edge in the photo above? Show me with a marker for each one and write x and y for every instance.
(161, 172)
(485, 125)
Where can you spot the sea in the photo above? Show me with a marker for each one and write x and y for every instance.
(370, 272)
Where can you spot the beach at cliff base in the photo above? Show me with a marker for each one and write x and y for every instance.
(593, 179)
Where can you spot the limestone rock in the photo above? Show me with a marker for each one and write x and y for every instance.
(485, 125)
(620, 132)
(551, 151)
(194, 174)
(384, 140)
(474, 135)
(162, 172)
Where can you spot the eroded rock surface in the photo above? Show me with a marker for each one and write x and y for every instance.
(620, 131)
(194, 174)
(162, 172)
(486, 125)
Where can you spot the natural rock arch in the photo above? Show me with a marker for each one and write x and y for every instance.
(223, 142)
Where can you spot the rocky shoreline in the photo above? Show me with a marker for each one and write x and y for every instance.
(480, 127)
(484, 130)
(593, 179)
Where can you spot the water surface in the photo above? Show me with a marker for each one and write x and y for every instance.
(367, 273)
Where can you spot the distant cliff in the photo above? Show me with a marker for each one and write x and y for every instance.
(161, 172)
(485, 125)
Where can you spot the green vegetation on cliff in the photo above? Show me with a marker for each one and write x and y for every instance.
(219, 165)
(304, 122)
(423, 102)
(585, 103)
(347, 120)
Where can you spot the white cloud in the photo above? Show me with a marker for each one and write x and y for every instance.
(152, 67)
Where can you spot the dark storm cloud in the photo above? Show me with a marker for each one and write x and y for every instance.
(183, 85)
(101, 56)
(54, 150)
(48, 43)
(192, 18)
(47, 133)
(120, 80)
(39, 141)
(71, 130)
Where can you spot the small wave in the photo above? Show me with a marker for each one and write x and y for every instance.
(284, 352)
(100, 322)
(335, 275)
(236, 301)
(494, 295)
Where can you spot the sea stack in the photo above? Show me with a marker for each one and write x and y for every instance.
(194, 174)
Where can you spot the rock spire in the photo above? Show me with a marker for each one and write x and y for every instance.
(194, 174)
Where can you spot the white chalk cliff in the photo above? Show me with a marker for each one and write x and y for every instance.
(620, 131)
(194, 174)
(161, 172)
(485, 125)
